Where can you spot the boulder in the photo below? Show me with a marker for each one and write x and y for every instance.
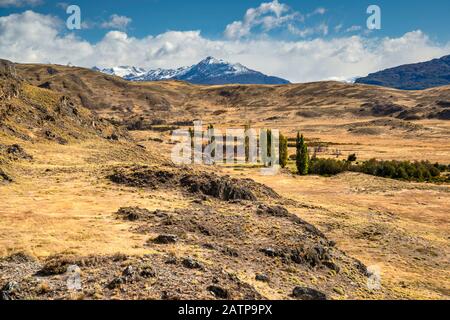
(191, 264)
(9, 291)
(165, 239)
(305, 293)
(262, 277)
(219, 292)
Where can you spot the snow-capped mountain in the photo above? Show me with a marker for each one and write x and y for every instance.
(208, 71)
(125, 72)
(161, 74)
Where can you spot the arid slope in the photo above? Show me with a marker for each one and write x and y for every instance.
(79, 190)
(114, 97)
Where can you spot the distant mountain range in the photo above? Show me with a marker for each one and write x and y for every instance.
(416, 76)
(209, 71)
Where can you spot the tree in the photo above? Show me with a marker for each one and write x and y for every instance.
(212, 140)
(302, 155)
(247, 143)
(191, 134)
(352, 158)
(269, 147)
(283, 151)
(298, 152)
(266, 147)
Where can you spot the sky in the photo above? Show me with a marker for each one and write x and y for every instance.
(298, 40)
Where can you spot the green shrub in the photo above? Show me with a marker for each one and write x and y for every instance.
(327, 167)
(403, 170)
(352, 158)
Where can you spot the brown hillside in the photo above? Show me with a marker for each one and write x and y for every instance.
(113, 97)
(80, 191)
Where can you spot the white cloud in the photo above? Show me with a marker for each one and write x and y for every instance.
(321, 29)
(63, 5)
(318, 11)
(19, 3)
(116, 22)
(35, 38)
(338, 27)
(271, 15)
(268, 15)
(353, 29)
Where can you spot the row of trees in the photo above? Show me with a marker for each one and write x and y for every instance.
(302, 155)
(402, 170)
(302, 160)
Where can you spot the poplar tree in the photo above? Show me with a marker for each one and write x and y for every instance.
(269, 146)
(247, 143)
(212, 140)
(302, 156)
(283, 151)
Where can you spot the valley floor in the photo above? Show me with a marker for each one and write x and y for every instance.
(61, 203)
(400, 228)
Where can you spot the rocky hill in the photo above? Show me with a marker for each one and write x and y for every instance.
(114, 97)
(82, 198)
(208, 236)
(417, 76)
(32, 113)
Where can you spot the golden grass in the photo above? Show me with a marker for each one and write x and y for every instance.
(413, 248)
(68, 209)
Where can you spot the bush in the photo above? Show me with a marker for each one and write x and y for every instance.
(352, 158)
(403, 170)
(327, 167)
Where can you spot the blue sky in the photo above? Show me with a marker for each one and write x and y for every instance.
(211, 17)
(274, 36)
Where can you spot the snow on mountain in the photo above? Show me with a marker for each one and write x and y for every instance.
(161, 74)
(208, 71)
(125, 72)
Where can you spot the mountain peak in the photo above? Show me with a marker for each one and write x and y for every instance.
(212, 60)
(208, 71)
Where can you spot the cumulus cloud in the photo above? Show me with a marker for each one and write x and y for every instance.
(268, 15)
(272, 15)
(36, 38)
(116, 22)
(19, 3)
(321, 29)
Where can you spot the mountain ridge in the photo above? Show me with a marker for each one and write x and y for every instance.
(114, 97)
(209, 71)
(416, 76)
